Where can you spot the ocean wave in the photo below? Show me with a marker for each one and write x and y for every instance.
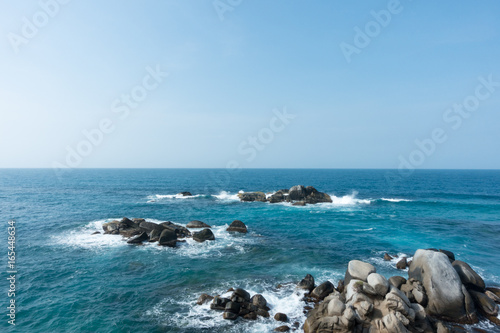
(227, 196)
(286, 300)
(223, 196)
(379, 261)
(395, 200)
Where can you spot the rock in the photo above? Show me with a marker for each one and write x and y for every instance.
(150, 226)
(486, 306)
(317, 197)
(219, 303)
(167, 238)
(297, 193)
(129, 223)
(281, 317)
(179, 230)
(154, 235)
(185, 194)
(259, 301)
(492, 296)
(379, 283)
(229, 315)
(340, 286)
(447, 297)
(397, 281)
(299, 203)
(197, 224)
(306, 283)
(323, 290)
(96, 233)
(283, 328)
(138, 239)
(358, 270)
(495, 291)
(237, 226)
(250, 316)
(242, 293)
(335, 307)
(204, 235)
(262, 313)
(402, 264)
(109, 227)
(276, 197)
(468, 276)
(138, 221)
(204, 298)
(233, 307)
(252, 196)
(440, 328)
(387, 257)
(449, 254)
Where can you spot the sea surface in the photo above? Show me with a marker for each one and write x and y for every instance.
(71, 281)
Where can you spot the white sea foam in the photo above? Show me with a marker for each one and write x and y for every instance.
(395, 200)
(368, 229)
(227, 196)
(379, 261)
(285, 300)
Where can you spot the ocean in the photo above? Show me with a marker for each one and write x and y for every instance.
(69, 280)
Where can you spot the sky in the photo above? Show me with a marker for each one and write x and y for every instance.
(251, 84)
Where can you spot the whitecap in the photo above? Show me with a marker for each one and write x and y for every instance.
(227, 196)
(395, 200)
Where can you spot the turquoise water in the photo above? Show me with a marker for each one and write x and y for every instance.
(72, 281)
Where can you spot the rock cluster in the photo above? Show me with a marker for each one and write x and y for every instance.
(299, 195)
(438, 289)
(166, 233)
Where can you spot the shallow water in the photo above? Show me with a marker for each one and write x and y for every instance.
(72, 281)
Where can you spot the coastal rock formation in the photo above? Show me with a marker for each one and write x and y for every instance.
(469, 278)
(204, 235)
(298, 194)
(448, 297)
(237, 226)
(185, 194)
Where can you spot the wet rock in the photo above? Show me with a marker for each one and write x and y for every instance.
(323, 290)
(185, 194)
(204, 298)
(219, 303)
(449, 254)
(167, 238)
(447, 297)
(468, 276)
(233, 307)
(486, 306)
(281, 317)
(242, 293)
(197, 224)
(237, 226)
(96, 233)
(229, 315)
(154, 235)
(402, 264)
(252, 196)
(297, 193)
(138, 239)
(150, 226)
(259, 301)
(180, 231)
(276, 197)
(387, 257)
(283, 328)
(204, 235)
(306, 283)
(492, 296)
(299, 203)
(262, 313)
(109, 227)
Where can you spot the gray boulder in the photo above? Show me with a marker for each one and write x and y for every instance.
(447, 297)
(306, 283)
(185, 194)
(139, 238)
(397, 281)
(252, 196)
(468, 276)
(277, 197)
(379, 283)
(168, 238)
(358, 270)
(323, 290)
(486, 306)
(204, 235)
(297, 193)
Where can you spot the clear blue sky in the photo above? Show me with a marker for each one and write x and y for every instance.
(225, 78)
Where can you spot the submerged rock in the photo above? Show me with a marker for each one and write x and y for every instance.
(237, 226)
(185, 194)
(204, 235)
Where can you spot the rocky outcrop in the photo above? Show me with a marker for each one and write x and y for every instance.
(168, 237)
(139, 238)
(185, 194)
(298, 194)
(448, 298)
(468, 276)
(197, 224)
(237, 226)
(204, 235)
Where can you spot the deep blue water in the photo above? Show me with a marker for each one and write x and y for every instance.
(71, 281)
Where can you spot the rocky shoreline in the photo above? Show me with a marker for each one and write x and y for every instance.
(441, 294)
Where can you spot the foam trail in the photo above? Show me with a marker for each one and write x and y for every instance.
(395, 200)
(349, 200)
(227, 196)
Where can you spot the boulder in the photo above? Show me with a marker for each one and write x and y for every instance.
(449, 254)
(96, 233)
(299, 203)
(138, 239)
(283, 328)
(204, 235)
(379, 283)
(387, 257)
(492, 296)
(468, 276)
(204, 298)
(397, 281)
(358, 270)
(306, 283)
(297, 193)
(242, 293)
(111, 227)
(237, 226)
(229, 315)
(168, 238)
(323, 290)
(185, 194)
(197, 224)
(486, 306)
(335, 307)
(447, 297)
(402, 264)
(219, 303)
(128, 222)
(259, 301)
(154, 235)
(252, 196)
(281, 317)
(276, 197)
(150, 226)
(179, 230)
(318, 197)
(233, 307)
